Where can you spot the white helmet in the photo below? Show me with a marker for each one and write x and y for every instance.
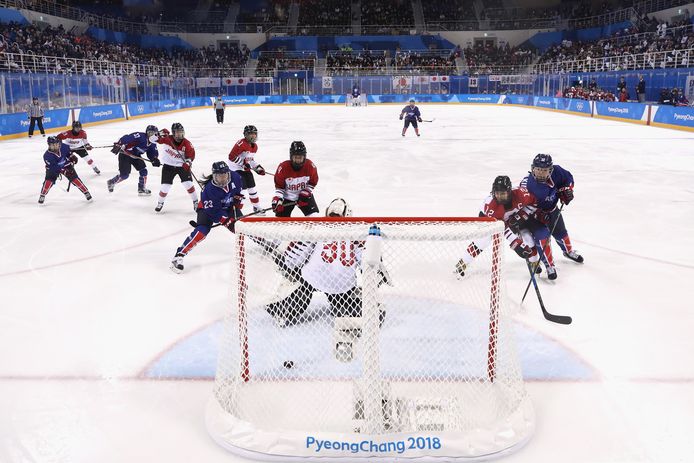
(338, 207)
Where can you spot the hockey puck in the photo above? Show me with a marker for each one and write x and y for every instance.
(288, 364)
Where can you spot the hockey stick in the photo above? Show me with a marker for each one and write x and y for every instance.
(544, 248)
(432, 120)
(194, 224)
(561, 319)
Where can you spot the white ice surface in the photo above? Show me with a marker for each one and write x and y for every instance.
(88, 301)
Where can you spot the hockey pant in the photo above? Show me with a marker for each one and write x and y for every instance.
(125, 165)
(248, 183)
(69, 173)
(310, 209)
(292, 307)
(541, 231)
(168, 173)
(220, 115)
(407, 124)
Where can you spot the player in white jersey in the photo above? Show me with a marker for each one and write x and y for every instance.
(328, 267)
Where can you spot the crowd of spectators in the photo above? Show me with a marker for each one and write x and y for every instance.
(281, 60)
(322, 17)
(36, 45)
(385, 17)
(491, 59)
(438, 63)
(347, 62)
(264, 15)
(629, 49)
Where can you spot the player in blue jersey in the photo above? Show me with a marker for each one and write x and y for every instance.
(220, 202)
(355, 91)
(550, 183)
(412, 116)
(130, 149)
(60, 161)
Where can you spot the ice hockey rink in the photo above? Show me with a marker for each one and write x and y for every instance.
(108, 356)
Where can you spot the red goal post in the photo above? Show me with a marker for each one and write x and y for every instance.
(351, 330)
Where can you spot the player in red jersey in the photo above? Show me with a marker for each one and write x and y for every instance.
(242, 161)
(177, 155)
(513, 206)
(76, 139)
(295, 180)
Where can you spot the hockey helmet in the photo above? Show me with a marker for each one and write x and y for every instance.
(76, 126)
(338, 207)
(297, 149)
(53, 143)
(177, 129)
(250, 133)
(542, 167)
(221, 175)
(502, 185)
(152, 133)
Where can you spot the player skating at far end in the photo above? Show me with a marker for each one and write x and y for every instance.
(549, 184)
(510, 205)
(295, 180)
(242, 161)
(221, 202)
(130, 149)
(332, 268)
(59, 161)
(177, 156)
(76, 139)
(412, 116)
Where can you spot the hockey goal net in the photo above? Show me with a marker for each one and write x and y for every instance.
(361, 100)
(354, 338)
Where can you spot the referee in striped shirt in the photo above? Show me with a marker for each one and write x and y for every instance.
(35, 114)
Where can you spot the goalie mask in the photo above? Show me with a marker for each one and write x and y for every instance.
(338, 207)
(221, 175)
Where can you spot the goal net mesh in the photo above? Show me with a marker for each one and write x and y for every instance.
(337, 332)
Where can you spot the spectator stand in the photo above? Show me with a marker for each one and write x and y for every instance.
(325, 17)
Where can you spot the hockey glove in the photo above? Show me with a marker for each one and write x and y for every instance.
(400, 116)
(277, 204)
(186, 165)
(304, 197)
(566, 194)
(73, 159)
(419, 119)
(164, 133)
(517, 220)
(116, 148)
(238, 201)
(522, 249)
(156, 162)
(247, 167)
(259, 170)
(88, 147)
(543, 216)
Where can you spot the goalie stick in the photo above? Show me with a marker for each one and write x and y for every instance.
(194, 224)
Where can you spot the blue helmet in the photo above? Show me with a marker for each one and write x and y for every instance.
(412, 100)
(52, 140)
(544, 161)
(221, 174)
(151, 130)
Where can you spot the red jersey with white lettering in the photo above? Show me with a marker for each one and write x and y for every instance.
(289, 182)
(175, 154)
(74, 141)
(520, 198)
(242, 155)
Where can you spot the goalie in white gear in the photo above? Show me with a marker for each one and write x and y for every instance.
(328, 267)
